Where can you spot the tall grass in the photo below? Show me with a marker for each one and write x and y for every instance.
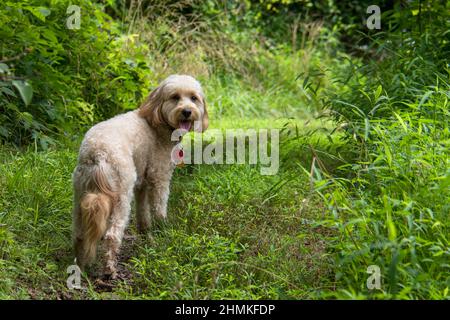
(391, 207)
(389, 201)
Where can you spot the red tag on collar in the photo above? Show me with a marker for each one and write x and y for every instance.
(180, 164)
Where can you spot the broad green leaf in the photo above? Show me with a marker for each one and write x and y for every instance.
(44, 11)
(49, 35)
(39, 12)
(25, 90)
(392, 230)
(366, 129)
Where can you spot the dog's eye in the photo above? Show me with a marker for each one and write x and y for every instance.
(194, 98)
(176, 97)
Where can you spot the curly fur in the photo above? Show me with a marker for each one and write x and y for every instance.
(130, 156)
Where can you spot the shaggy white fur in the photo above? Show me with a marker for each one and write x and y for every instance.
(130, 155)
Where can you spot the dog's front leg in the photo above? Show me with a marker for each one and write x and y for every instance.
(143, 208)
(159, 195)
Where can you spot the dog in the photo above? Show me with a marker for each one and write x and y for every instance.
(130, 156)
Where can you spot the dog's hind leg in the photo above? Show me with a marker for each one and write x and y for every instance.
(114, 234)
(77, 231)
(77, 237)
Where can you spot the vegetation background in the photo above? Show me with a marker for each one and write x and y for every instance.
(364, 116)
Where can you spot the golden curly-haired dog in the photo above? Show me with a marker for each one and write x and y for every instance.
(128, 155)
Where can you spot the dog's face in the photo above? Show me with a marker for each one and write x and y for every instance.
(178, 102)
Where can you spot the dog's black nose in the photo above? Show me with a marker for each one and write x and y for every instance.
(186, 113)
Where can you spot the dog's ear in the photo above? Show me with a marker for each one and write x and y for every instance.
(151, 109)
(205, 119)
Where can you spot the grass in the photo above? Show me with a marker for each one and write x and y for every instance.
(311, 231)
(232, 233)
(390, 204)
(229, 235)
(335, 207)
(35, 221)
(371, 188)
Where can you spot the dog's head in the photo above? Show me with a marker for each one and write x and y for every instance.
(178, 102)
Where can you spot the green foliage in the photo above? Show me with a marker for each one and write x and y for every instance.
(372, 191)
(35, 200)
(393, 209)
(188, 265)
(400, 62)
(226, 236)
(55, 79)
(389, 202)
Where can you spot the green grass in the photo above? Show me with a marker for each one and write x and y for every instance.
(230, 234)
(366, 183)
(392, 209)
(342, 200)
(35, 201)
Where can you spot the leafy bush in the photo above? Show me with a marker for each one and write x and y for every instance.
(64, 77)
(398, 64)
(393, 209)
(389, 202)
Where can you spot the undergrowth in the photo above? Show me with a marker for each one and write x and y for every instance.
(364, 168)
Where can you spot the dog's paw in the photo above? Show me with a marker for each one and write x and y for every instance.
(103, 285)
(143, 228)
(110, 273)
(161, 216)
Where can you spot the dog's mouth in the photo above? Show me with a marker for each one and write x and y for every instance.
(185, 125)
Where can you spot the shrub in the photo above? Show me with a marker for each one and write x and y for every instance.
(54, 79)
(390, 201)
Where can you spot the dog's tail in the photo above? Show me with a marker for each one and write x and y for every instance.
(95, 208)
